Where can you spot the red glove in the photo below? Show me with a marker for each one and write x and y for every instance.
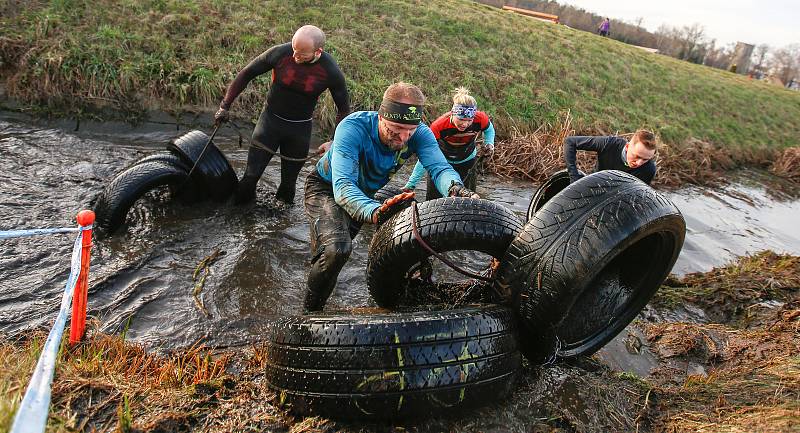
(391, 206)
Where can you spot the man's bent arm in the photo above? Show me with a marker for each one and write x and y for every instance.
(433, 160)
(344, 174)
(573, 144)
(260, 65)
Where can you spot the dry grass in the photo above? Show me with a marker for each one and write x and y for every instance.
(751, 380)
(787, 164)
(731, 293)
(537, 155)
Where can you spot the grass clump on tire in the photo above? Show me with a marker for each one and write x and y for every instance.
(393, 365)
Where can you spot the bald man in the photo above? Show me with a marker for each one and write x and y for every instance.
(301, 71)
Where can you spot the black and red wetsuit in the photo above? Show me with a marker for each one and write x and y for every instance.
(285, 121)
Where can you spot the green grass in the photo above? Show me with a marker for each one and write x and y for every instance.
(175, 55)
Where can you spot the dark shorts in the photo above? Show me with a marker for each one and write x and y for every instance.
(290, 139)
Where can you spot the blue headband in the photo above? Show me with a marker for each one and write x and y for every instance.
(464, 111)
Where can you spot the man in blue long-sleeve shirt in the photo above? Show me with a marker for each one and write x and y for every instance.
(634, 156)
(368, 148)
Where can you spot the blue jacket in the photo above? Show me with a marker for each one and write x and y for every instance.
(358, 164)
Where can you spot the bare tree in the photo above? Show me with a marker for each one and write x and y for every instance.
(759, 56)
(691, 39)
(785, 63)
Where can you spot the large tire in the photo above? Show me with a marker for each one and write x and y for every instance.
(587, 263)
(387, 191)
(213, 171)
(552, 186)
(393, 365)
(165, 157)
(121, 193)
(446, 224)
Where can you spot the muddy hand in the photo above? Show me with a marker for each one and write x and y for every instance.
(324, 147)
(391, 206)
(222, 115)
(458, 190)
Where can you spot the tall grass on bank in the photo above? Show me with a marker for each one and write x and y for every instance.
(135, 54)
(100, 383)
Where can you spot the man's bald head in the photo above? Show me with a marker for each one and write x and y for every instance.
(310, 33)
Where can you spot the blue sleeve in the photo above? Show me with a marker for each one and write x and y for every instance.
(433, 160)
(488, 134)
(415, 177)
(345, 172)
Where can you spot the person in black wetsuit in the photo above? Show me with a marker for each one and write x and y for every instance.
(301, 71)
(634, 156)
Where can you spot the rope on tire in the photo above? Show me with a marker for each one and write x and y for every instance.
(443, 259)
(258, 145)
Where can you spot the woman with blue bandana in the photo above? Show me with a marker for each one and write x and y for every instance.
(456, 131)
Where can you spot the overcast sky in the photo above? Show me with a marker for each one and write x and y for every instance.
(774, 22)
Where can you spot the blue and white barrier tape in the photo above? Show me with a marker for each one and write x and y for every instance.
(9, 234)
(32, 414)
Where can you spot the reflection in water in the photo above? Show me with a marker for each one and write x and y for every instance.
(145, 273)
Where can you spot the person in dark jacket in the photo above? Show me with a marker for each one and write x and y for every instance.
(634, 156)
(301, 71)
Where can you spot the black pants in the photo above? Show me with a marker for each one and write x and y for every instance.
(463, 170)
(332, 232)
(291, 138)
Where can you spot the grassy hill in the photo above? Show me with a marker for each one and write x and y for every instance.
(174, 55)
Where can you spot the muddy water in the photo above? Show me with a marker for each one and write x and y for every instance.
(142, 278)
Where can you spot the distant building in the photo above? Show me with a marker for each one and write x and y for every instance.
(541, 16)
(741, 57)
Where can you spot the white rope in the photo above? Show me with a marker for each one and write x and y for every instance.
(32, 414)
(9, 234)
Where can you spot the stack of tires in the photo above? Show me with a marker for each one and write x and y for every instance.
(589, 258)
(213, 177)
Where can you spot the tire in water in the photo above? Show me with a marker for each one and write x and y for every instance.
(393, 365)
(446, 224)
(166, 157)
(587, 263)
(387, 191)
(214, 172)
(121, 193)
(552, 186)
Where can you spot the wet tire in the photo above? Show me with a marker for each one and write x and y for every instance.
(552, 186)
(393, 365)
(214, 172)
(121, 193)
(165, 157)
(387, 191)
(587, 263)
(446, 224)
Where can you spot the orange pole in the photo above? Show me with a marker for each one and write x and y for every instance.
(79, 298)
